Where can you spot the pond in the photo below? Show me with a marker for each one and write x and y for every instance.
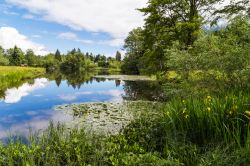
(31, 105)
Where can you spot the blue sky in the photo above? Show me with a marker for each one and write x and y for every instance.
(97, 26)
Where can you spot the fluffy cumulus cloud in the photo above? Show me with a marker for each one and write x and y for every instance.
(115, 17)
(9, 37)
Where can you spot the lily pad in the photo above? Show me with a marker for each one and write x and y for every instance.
(106, 117)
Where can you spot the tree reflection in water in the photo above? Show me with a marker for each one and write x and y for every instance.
(134, 90)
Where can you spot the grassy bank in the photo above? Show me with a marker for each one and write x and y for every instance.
(20, 72)
(206, 130)
(11, 76)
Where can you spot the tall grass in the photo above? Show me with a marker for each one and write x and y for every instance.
(11, 76)
(198, 130)
(211, 119)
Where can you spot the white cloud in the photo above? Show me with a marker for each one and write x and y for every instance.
(115, 17)
(68, 35)
(6, 9)
(14, 95)
(36, 36)
(28, 16)
(9, 37)
(73, 37)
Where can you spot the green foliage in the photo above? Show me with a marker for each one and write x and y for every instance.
(173, 39)
(169, 21)
(195, 131)
(134, 51)
(14, 76)
(50, 63)
(235, 8)
(73, 61)
(114, 65)
(225, 51)
(3, 60)
(16, 56)
(118, 56)
(58, 55)
(30, 57)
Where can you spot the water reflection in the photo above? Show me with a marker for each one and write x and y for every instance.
(31, 104)
(14, 95)
(12, 125)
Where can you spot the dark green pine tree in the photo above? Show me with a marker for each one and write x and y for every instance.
(58, 55)
(118, 56)
(16, 56)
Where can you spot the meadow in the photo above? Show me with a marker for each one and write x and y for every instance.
(12, 76)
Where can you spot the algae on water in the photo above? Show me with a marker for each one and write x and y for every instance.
(126, 77)
(106, 117)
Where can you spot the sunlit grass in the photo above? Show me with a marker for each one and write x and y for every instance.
(25, 72)
(11, 76)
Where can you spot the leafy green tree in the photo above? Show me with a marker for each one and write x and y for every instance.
(235, 8)
(168, 21)
(225, 51)
(73, 51)
(134, 51)
(30, 57)
(118, 56)
(74, 62)
(50, 63)
(16, 56)
(3, 60)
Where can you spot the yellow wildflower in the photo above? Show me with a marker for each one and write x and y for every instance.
(208, 109)
(184, 111)
(209, 98)
(247, 112)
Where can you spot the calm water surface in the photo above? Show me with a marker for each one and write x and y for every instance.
(30, 106)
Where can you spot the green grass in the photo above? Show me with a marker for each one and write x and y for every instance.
(195, 131)
(13, 76)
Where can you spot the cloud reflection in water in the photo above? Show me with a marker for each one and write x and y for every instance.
(116, 95)
(37, 122)
(14, 95)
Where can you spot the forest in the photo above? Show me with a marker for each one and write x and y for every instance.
(73, 61)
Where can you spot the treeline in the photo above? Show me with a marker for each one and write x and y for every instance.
(178, 36)
(74, 60)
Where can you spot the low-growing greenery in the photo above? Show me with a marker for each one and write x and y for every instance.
(194, 131)
(14, 76)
